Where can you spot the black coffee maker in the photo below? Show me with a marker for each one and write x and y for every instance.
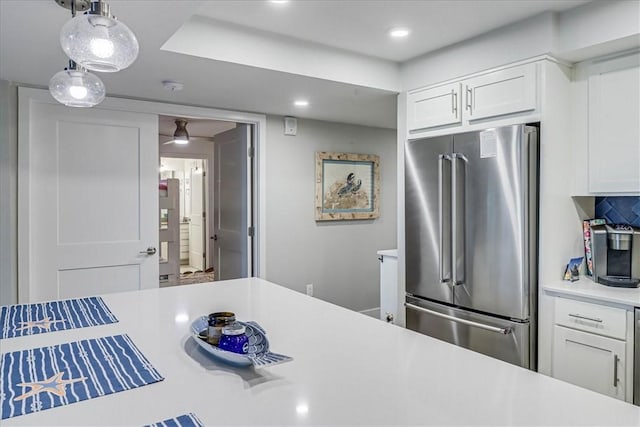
(616, 255)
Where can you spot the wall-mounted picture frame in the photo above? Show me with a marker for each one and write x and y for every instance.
(347, 186)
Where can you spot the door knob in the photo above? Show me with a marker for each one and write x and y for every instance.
(150, 251)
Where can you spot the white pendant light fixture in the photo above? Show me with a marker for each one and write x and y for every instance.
(96, 41)
(75, 87)
(181, 136)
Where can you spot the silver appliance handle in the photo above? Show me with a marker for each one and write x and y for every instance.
(458, 215)
(578, 316)
(503, 331)
(444, 255)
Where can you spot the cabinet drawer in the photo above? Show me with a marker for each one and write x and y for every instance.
(594, 318)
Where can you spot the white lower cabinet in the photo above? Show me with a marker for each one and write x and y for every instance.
(592, 347)
(590, 361)
(388, 285)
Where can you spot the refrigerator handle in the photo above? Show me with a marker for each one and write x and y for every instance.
(458, 212)
(444, 221)
(503, 331)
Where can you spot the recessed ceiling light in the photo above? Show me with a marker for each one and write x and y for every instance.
(301, 103)
(279, 1)
(398, 33)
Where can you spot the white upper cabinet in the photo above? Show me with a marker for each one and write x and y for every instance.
(512, 90)
(430, 108)
(614, 125)
(459, 105)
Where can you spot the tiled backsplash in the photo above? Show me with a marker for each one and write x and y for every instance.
(619, 210)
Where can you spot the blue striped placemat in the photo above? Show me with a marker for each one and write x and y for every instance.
(42, 378)
(187, 420)
(29, 319)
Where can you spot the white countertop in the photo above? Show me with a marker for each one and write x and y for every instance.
(389, 252)
(587, 288)
(349, 369)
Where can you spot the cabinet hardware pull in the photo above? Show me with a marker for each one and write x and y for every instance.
(468, 103)
(615, 370)
(454, 102)
(503, 331)
(593, 319)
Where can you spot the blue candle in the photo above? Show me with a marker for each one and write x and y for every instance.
(234, 339)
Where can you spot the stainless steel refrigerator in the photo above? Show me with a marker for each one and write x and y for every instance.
(471, 214)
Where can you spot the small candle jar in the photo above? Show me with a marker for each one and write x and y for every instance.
(234, 339)
(217, 321)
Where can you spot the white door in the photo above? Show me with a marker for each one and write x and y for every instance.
(590, 361)
(231, 254)
(196, 220)
(90, 180)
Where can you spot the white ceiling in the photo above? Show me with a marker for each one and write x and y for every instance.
(30, 52)
(361, 26)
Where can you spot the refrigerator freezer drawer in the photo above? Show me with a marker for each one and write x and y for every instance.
(495, 337)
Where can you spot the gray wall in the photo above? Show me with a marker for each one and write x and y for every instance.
(338, 258)
(8, 192)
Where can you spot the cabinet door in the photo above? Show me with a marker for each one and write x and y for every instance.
(590, 361)
(512, 90)
(429, 108)
(614, 127)
(388, 288)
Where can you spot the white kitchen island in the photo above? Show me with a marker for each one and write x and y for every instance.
(348, 369)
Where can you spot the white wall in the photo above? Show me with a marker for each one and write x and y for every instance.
(338, 258)
(8, 193)
(512, 43)
(598, 28)
(594, 29)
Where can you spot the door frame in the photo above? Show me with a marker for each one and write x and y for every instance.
(28, 96)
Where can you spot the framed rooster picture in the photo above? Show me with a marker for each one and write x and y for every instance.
(347, 186)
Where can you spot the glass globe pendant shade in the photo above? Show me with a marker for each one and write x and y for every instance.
(99, 43)
(77, 88)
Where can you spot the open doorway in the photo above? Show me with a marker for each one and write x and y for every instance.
(192, 213)
(213, 177)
